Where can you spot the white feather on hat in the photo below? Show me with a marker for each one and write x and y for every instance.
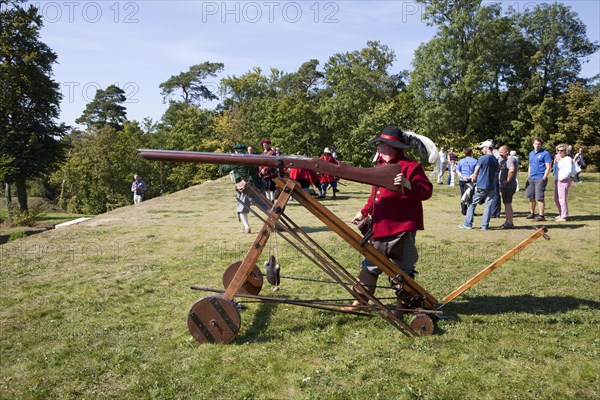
(426, 147)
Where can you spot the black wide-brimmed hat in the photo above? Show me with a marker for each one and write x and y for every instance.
(393, 136)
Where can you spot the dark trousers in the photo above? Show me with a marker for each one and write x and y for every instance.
(496, 203)
(463, 188)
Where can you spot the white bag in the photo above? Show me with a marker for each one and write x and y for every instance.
(575, 169)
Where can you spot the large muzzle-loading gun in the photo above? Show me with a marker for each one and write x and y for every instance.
(216, 318)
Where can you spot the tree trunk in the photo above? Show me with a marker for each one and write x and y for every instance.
(7, 194)
(21, 193)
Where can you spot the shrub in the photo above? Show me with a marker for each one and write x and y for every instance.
(16, 235)
(16, 217)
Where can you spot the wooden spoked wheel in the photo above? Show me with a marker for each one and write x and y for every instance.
(214, 319)
(253, 284)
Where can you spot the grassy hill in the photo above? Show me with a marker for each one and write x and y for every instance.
(98, 310)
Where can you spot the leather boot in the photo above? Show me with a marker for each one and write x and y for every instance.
(368, 281)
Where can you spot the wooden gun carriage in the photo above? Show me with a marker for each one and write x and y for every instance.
(216, 318)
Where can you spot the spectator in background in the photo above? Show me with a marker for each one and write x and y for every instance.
(508, 184)
(563, 169)
(540, 164)
(451, 166)
(496, 201)
(464, 170)
(570, 151)
(518, 164)
(443, 164)
(486, 176)
(138, 188)
(578, 160)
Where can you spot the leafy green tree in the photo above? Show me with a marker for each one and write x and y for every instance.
(293, 119)
(246, 103)
(105, 110)
(487, 75)
(185, 127)
(459, 75)
(579, 120)
(555, 43)
(192, 83)
(357, 83)
(98, 172)
(29, 100)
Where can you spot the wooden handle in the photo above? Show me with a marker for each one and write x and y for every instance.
(488, 270)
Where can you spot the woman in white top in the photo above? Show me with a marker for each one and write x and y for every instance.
(563, 169)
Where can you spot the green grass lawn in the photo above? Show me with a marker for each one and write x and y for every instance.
(98, 309)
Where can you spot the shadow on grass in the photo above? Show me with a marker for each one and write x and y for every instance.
(257, 331)
(520, 215)
(520, 304)
(584, 218)
(480, 305)
(551, 227)
(337, 198)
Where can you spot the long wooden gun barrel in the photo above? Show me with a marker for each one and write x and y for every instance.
(379, 176)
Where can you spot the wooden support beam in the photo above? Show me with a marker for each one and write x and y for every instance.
(257, 247)
(488, 270)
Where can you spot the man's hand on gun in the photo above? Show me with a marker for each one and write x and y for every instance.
(357, 218)
(401, 181)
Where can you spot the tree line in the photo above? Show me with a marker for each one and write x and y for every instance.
(487, 73)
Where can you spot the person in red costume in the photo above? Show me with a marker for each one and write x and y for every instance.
(396, 215)
(326, 179)
(305, 177)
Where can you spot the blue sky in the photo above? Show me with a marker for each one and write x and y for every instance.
(139, 44)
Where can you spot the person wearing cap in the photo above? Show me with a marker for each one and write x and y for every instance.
(324, 179)
(396, 215)
(268, 173)
(486, 178)
(540, 164)
(243, 175)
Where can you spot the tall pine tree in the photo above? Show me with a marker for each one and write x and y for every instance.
(30, 143)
